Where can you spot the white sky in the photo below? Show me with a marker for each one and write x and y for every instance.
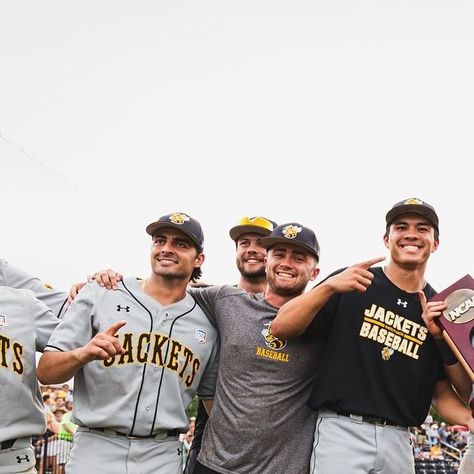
(325, 113)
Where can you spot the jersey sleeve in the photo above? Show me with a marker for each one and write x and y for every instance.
(16, 278)
(207, 385)
(44, 320)
(76, 328)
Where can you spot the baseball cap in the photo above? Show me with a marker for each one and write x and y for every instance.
(256, 225)
(182, 222)
(293, 233)
(413, 206)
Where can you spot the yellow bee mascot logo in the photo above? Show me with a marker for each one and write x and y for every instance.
(291, 231)
(178, 218)
(270, 340)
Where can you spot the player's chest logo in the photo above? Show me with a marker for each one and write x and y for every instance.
(201, 336)
(387, 353)
(123, 308)
(270, 340)
(400, 302)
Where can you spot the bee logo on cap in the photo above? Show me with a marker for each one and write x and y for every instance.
(178, 218)
(291, 231)
(414, 201)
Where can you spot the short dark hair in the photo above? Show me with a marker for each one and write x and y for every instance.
(197, 273)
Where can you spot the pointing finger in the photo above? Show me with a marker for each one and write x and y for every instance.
(111, 330)
(368, 263)
(422, 296)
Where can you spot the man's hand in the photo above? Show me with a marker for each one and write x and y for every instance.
(102, 346)
(354, 278)
(107, 278)
(431, 312)
(74, 291)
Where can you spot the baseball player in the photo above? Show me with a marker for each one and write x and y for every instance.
(15, 278)
(380, 369)
(138, 354)
(25, 327)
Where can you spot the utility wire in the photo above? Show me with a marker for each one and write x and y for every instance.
(40, 163)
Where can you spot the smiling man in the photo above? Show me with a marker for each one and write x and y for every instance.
(138, 354)
(381, 368)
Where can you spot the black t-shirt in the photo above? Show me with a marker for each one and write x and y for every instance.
(379, 358)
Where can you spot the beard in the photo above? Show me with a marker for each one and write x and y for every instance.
(255, 274)
(286, 290)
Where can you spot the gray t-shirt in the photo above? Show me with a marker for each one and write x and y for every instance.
(16, 278)
(259, 421)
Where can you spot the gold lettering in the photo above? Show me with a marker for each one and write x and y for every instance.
(4, 345)
(17, 364)
(189, 379)
(128, 346)
(173, 360)
(143, 340)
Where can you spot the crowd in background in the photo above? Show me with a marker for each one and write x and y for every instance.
(52, 449)
(435, 440)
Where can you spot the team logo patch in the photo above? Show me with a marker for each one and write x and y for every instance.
(201, 336)
(387, 353)
(291, 231)
(414, 201)
(3, 321)
(270, 340)
(178, 218)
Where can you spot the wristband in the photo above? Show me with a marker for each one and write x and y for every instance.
(446, 353)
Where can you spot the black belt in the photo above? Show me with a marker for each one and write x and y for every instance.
(7, 444)
(367, 419)
(169, 434)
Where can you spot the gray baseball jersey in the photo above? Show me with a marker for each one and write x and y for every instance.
(25, 326)
(170, 354)
(259, 421)
(16, 278)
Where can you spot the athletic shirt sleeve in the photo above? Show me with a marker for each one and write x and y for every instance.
(16, 278)
(45, 322)
(76, 329)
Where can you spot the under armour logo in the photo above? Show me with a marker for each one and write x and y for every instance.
(20, 459)
(402, 303)
(180, 451)
(125, 308)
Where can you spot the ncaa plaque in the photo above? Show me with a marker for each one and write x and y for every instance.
(457, 320)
